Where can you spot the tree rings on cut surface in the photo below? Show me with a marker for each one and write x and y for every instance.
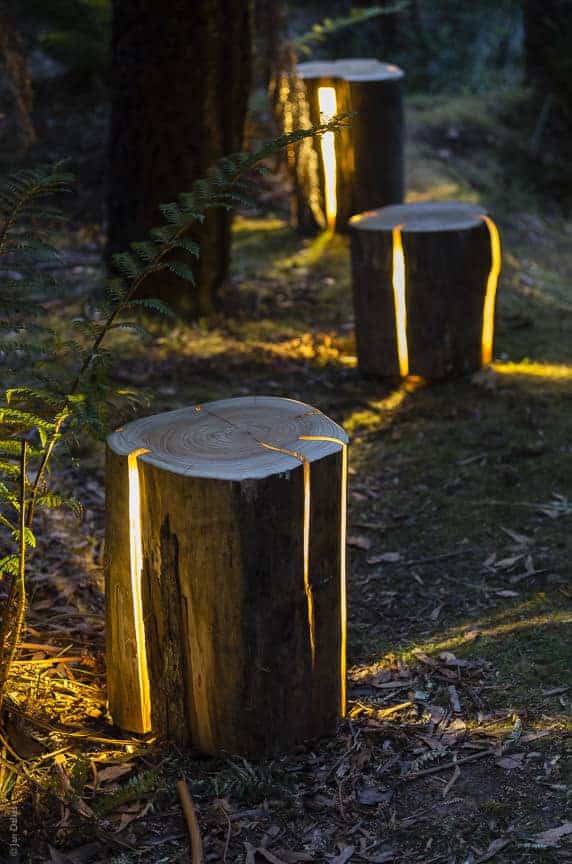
(225, 580)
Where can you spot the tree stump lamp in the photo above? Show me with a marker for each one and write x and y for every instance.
(225, 575)
(360, 167)
(424, 280)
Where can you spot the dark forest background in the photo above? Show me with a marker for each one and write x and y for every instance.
(57, 57)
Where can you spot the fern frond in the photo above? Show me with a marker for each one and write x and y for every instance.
(29, 537)
(133, 326)
(52, 501)
(15, 417)
(11, 469)
(127, 265)
(151, 305)
(9, 565)
(181, 270)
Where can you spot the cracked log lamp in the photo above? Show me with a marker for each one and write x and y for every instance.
(424, 279)
(361, 166)
(225, 575)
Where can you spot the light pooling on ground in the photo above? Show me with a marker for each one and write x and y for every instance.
(398, 278)
(551, 371)
(136, 568)
(491, 292)
(379, 411)
(328, 109)
(343, 539)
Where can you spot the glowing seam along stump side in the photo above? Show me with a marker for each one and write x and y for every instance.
(490, 295)
(328, 108)
(306, 540)
(136, 569)
(343, 543)
(399, 299)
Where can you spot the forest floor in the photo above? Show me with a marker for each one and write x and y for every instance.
(460, 601)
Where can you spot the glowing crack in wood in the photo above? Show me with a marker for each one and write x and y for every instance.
(490, 295)
(306, 540)
(399, 300)
(328, 108)
(343, 543)
(136, 568)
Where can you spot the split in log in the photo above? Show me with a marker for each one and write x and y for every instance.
(225, 575)
(360, 167)
(424, 280)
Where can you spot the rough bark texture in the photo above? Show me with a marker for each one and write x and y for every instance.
(180, 84)
(369, 154)
(448, 258)
(228, 645)
(378, 134)
(18, 81)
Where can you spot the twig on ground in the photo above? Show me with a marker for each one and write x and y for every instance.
(192, 822)
(452, 780)
(446, 765)
(228, 833)
(48, 661)
(431, 558)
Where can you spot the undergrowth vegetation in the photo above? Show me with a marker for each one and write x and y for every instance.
(456, 747)
(59, 389)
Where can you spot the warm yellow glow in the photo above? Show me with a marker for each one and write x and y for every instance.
(462, 635)
(399, 300)
(136, 568)
(379, 412)
(491, 293)
(328, 108)
(307, 583)
(535, 370)
(343, 558)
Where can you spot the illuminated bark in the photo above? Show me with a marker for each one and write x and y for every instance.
(242, 510)
(368, 161)
(424, 284)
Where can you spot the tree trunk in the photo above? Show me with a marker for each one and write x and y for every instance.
(369, 161)
(18, 79)
(427, 310)
(225, 579)
(180, 84)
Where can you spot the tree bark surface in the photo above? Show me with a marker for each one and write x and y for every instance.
(180, 85)
(448, 256)
(369, 153)
(242, 568)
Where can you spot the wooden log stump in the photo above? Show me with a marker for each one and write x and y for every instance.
(225, 575)
(360, 167)
(424, 280)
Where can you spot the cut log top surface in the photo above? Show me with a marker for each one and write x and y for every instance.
(350, 69)
(251, 437)
(421, 217)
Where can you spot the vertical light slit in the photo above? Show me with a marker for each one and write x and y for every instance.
(490, 295)
(305, 540)
(136, 568)
(307, 584)
(343, 544)
(398, 277)
(328, 108)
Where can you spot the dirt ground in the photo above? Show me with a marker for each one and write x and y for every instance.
(460, 605)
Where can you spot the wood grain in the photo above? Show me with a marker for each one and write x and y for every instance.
(447, 252)
(223, 514)
(369, 153)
